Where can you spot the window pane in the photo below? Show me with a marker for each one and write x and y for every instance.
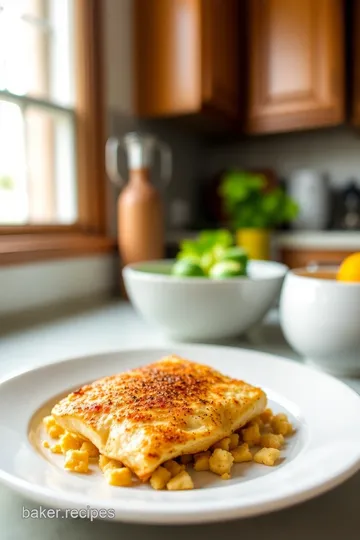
(13, 186)
(37, 9)
(24, 52)
(52, 194)
(36, 49)
(37, 178)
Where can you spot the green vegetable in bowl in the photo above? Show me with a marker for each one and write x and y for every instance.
(199, 257)
(187, 268)
(236, 254)
(226, 269)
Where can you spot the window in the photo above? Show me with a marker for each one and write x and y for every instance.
(37, 128)
(51, 126)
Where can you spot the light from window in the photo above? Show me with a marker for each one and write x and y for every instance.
(37, 116)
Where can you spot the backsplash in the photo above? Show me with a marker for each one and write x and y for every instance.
(335, 152)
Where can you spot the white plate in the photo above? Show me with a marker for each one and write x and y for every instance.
(324, 451)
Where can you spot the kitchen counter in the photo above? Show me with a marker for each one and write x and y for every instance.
(46, 338)
(319, 240)
(322, 240)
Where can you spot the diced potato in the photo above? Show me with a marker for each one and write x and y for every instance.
(160, 478)
(90, 448)
(70, 441)
(251, 435)
(53, 429)
(282, 416)
(180, 482)
(201, 461)
(107, 463)
(77, 461)
(221, 461)
(225, 476)
(241, 453)
(49, 421)
(281, 426)
(224, 444)
(186, 458)
(119, 477)
(103, 461)
(267, 456)
(173, 467)
(257, 420)
(234, 441)
(56, 449)
(266, 416)
(270, 440)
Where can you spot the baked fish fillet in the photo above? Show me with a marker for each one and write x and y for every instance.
(154, 413)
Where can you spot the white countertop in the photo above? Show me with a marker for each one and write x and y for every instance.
(323, 240)
(114, 326)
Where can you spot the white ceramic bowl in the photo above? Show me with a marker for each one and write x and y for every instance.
(320, 319)
(195, 308)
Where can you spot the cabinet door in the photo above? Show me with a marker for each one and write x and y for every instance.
(296, 55)
(167, 45)
(221, 44)
(356, 63)
(186, 56)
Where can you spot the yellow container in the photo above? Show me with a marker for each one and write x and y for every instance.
(255, 241)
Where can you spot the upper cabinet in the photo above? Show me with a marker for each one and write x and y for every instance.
(186, 57)
(296, 64)
(356, 63)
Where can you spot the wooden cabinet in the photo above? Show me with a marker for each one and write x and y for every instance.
(186, 57)
(355, 59)
(296, 71)
(301, 258)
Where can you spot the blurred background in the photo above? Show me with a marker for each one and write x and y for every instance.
(235, 90)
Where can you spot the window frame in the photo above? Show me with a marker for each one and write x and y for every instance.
(26, 243)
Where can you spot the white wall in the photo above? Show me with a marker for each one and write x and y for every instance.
(25, 287)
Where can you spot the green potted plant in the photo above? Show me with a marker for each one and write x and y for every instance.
(255, 211)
